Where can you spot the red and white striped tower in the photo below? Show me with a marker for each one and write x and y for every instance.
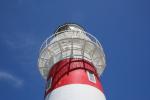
(71, 60)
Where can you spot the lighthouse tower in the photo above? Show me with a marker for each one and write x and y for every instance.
(71, 61)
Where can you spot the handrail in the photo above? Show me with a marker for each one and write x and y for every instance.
(48, 40)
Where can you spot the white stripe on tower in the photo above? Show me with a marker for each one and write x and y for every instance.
(76, 92)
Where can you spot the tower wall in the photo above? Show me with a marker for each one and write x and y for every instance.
(73, 78)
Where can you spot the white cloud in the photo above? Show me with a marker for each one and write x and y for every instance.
(11, 79)
(19, 40)
(23, 48)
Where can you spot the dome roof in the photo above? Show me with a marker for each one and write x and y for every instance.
(68, 26)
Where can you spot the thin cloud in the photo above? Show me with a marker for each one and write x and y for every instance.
(11, 79)
(19, 41)
(24, 48)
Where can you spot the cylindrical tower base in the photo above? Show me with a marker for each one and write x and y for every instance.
(73, 79)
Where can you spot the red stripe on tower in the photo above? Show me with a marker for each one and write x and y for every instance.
(72, 71)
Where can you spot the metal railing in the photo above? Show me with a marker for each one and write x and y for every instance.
(49, 39)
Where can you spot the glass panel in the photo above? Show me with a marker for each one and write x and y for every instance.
(91, 77)
(49, 82)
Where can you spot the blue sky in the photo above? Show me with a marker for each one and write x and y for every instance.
(122, 26)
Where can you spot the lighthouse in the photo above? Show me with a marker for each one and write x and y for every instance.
(71, 61)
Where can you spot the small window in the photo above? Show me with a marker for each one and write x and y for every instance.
(49, 82)
(91, 76)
